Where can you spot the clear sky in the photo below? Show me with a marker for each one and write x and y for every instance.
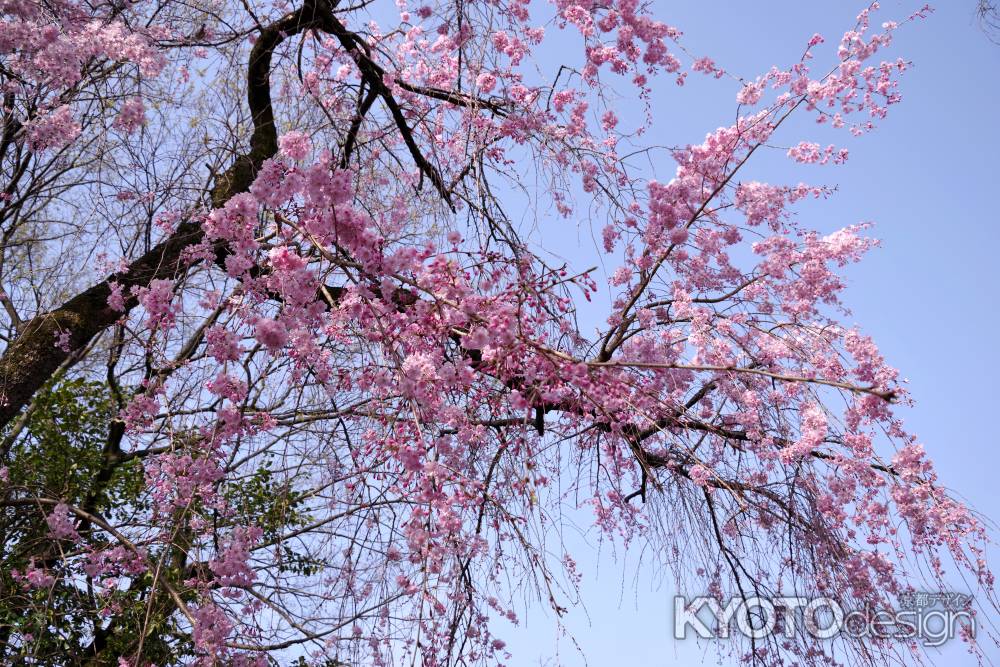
(928, 179)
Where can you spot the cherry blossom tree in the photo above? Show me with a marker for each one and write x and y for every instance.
(285, 375)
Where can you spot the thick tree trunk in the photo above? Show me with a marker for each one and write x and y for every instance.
(31, 359)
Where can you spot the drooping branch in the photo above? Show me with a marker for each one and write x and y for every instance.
(375, 76)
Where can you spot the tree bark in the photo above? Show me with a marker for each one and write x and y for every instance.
(31, 358)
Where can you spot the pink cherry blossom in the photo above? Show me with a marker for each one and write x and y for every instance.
(53, 129)
(356, 395)
(295, 145)
(272, 334)
(132, 115)
(61, 524)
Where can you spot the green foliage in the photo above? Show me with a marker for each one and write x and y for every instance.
(61, 454)
(66, 436)
(272, 506)
(328, 662)
(70, 451)
(264, 502)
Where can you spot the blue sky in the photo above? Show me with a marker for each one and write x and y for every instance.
(928, 296)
